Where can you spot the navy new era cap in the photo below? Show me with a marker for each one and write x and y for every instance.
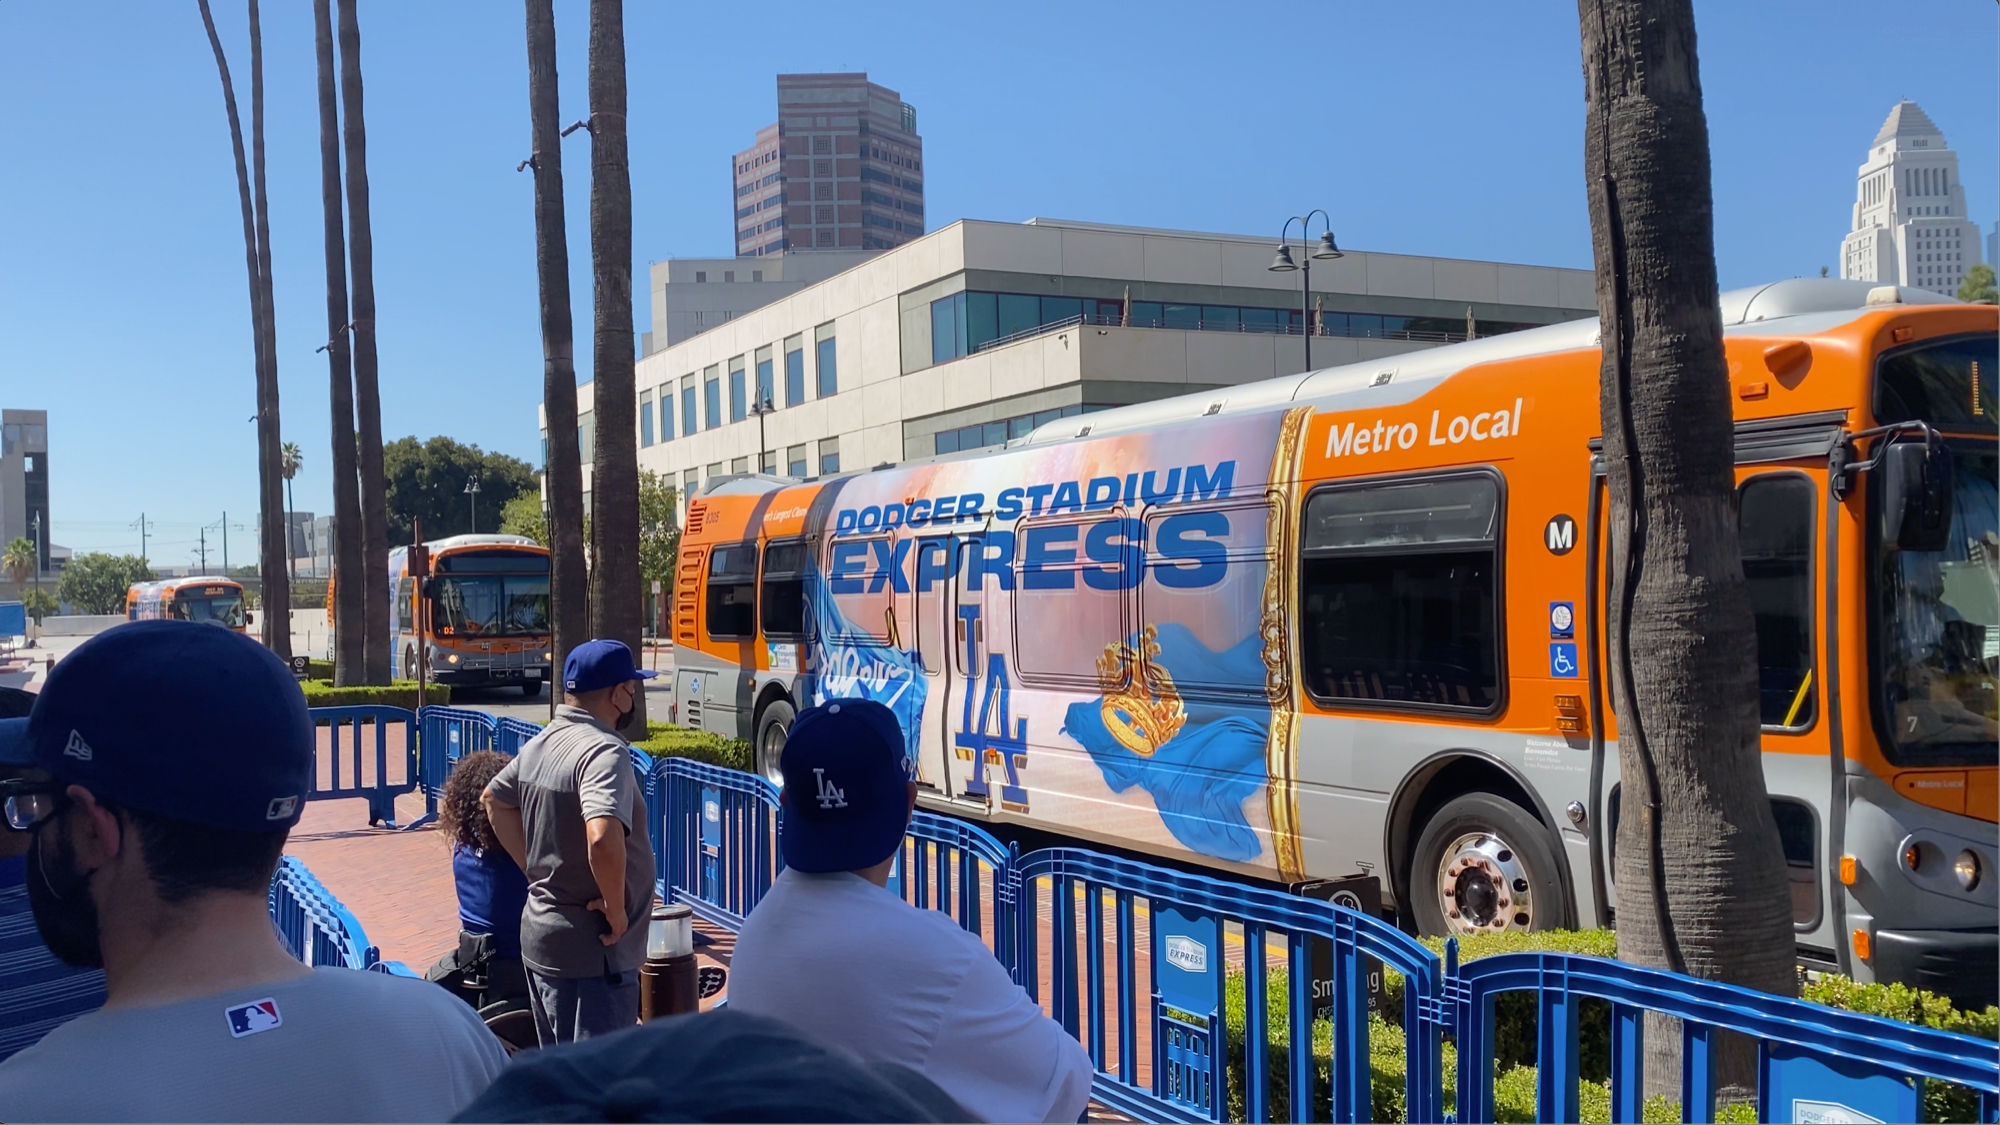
(846, 796)
(595, 665)
(178, 719)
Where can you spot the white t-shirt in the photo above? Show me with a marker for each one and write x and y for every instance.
(850, 964)
(339, 1045)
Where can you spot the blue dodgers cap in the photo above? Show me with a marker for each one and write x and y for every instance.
(595, 665)
(179, 719)
(846, 795)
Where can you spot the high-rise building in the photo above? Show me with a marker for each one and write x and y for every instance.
(841, 169)
(1993, 246)
(1910, 226)
(24, 480)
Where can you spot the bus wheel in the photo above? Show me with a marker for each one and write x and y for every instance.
(410, 664)
(772, 727)
(1484, 865)
(532, 689)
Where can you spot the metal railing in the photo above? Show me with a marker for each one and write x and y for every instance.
(1412, 335)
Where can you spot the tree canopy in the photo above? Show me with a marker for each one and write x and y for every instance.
(426, 480)
(96, 583)
(1979, 285)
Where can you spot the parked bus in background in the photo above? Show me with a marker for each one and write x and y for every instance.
(487, 612)
(218, 601)
(1353, 621)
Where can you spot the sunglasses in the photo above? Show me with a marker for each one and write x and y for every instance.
(29, 803)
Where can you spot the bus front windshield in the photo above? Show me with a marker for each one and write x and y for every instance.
(492, 605)
(1938, 612)
(226, 611)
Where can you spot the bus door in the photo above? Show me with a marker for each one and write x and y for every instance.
(1781, 532)
(931, 625)
(970, 694)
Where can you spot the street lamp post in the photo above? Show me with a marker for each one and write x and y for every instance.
(38, 557)
(472, 502)
(761, 408)
(1282, 263)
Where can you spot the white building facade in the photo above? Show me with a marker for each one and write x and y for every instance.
(1910, 226)
(976, 333)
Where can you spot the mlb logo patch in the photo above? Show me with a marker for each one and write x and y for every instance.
(251, 1018)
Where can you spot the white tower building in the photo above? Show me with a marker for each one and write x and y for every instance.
(1910, 226)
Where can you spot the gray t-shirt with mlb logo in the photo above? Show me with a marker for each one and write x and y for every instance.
(339, 1045)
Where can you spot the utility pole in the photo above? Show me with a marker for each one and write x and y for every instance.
(202, 534)
(37, 523)
(225, 544)
(143, 527)
(472, 507)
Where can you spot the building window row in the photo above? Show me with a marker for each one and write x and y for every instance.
(881, 177)
(892, 202)
(870, 219)
(964, 323)
(979, 435)
(762, 366)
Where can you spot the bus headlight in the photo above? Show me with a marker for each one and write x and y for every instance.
(1966, 868)
(451, 659)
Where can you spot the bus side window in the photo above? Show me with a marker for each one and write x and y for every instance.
(1775, 529)
(783, 597)
(732, 592)
(403, 615)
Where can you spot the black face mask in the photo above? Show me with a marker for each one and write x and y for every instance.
(625, 717)
(59, 897)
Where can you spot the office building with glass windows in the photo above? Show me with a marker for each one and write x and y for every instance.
(841, 169)
(24, 482)
(977, 333)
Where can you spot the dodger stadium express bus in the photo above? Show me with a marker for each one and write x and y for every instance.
(218, 601)
(488, 612)
(1352, 621)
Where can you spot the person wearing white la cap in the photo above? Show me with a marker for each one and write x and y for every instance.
(831, 951)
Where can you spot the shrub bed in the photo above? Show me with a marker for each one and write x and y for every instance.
(402, 693)
(665, 740)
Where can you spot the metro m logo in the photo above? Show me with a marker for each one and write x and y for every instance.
(1560, 535)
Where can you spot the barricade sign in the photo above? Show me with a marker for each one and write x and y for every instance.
(1363, 895)
(711, 840)
(1187, 1014)
(1809, 1087)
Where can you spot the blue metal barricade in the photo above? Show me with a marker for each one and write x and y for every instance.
(370, 752)
(1814, 1063)
(1180, 938)
(963, 870)
(313, 924)
(718, 847)
(510, 734)
(444, 735)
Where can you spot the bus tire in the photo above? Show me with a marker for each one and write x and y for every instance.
(772, 726)
(532, 689)
(1484, 865)
(410, 664)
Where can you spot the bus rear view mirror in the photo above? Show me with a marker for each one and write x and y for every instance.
(1915, 479)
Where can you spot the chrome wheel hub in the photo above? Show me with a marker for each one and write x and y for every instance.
(1482, 886)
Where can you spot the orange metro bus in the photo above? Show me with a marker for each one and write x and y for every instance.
(487, 612)
(218, 601)
(1353, 621)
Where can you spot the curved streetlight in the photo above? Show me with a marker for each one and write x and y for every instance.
(762, 408)
(1282, 263)
(472, 502)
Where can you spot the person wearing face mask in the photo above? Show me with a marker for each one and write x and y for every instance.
(178, 757)
(570, 812)
(38, 991)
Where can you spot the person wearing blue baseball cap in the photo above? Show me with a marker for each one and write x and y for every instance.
(570, 812)
(833, 952)
(170, 762)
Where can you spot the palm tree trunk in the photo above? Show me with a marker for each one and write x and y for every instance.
(275, 590)
(1700, 872)
(376, 659)
(350, 631)
(617, 608)
(562, 477)
(256, 262)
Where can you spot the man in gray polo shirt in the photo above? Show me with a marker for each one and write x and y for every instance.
(570, 812)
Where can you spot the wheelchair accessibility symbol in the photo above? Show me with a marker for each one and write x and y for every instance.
(1562, 662)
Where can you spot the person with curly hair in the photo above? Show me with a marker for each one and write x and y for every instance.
(492, 891)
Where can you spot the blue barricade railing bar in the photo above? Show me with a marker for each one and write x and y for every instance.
(372, 753)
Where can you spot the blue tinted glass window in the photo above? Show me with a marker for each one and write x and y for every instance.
(1333, 324)
(1260, 320)
(1364, 324)
(1044, 417)
(646, 420)
(737, 404)
(946, 441)
(712, 406)
(1019, 427)
(1183, 316)
(944, 328)
(1395, 324)
(1018, 313)
(1147, 314)
(1057, 309)
(795, 377)
(666, 412)
(687, 409)
(995, 433)
(982, 323)
(1110, 312)
(823, 370)
(765, 391)
(1221, 318)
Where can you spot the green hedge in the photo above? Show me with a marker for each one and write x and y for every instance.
(1514, 1037)
(402, 693)
(665, 740)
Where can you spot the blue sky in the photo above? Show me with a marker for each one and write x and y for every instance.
(1449, 128)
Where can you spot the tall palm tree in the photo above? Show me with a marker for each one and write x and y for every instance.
(376, 658)
(18, 560)
(562, 477)
(257, 257)
(350, 630)
(289, 460)
(617, 606)
(1700, 875)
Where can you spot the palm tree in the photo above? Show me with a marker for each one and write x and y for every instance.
(1691, 898)
(289, 460)
(19, 561)
(563, 474)
(257, 257)
(350, 630)
(617, 606)
(376, 659)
